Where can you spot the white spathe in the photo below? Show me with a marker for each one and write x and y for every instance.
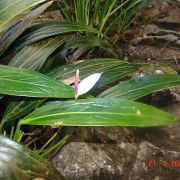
(87, 84)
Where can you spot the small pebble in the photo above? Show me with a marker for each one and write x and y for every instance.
(159, 72)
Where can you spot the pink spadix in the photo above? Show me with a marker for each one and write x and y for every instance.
(86, 84)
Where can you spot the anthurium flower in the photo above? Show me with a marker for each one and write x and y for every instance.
(86, 84)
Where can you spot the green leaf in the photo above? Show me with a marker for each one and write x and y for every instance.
(51, 28)
(141, 86)
(21, 82)
(86, 41)
(20, 108)
(34, 56)
(66, 73)
(82, 11)
(116, 73)
(13, 33)
(113, 69)
(98, 112)
(11, 8)
(78, 52)
(18, 162)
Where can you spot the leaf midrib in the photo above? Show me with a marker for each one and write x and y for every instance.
(68, 113)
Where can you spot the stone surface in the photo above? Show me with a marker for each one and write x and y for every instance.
(104, 135)
(79, 160)
(125, 161)
(158, 42)
(155, 163)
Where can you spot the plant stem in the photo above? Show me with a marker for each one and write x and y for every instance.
(50, 140)
(61, 142)
(18, 133)
(12, 132)
(2, 124)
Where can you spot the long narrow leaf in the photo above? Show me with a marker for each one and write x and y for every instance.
(113, 69)
(116, 73)
(18, 29)
(18, 162)
(34, 56)
(77, 54)
(51, 28)
(82, 11)
(98, 112)
(11, 8)
(21, 82)
(139, 87)
(66, 73)
(86, 41)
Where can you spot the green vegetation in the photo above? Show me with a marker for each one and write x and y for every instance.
(39, 59)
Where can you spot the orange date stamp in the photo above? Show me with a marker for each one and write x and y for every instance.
(152, 163)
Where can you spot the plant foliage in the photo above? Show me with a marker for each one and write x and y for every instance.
(18, 162)
(39, 60)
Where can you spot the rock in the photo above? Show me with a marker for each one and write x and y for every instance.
(155, 163)
(155, 68)
(175, 92)
(159, 41)
(83, 161)
(178, 42)
(173, 15)
(104, 135)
